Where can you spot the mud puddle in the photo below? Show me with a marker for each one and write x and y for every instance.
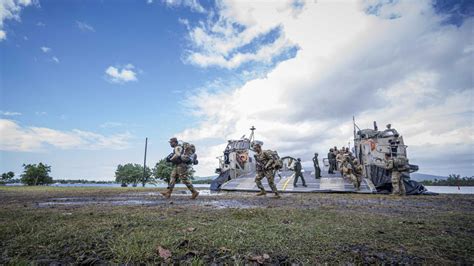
(206, 198)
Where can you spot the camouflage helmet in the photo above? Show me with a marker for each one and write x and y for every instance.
(356, 162)
(173, 139)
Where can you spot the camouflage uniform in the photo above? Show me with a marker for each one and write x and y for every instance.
(339, 161)
(358, 171)
(398, 188)
(265, 169)
(180, 170)
(348, 171)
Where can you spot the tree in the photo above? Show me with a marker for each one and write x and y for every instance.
(162, 171)
(7, 176)
(132, 174)
(36, 174)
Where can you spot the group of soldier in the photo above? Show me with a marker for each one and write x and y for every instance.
(268, 165)
(345, 162)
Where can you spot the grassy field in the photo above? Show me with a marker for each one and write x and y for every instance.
(136, 225)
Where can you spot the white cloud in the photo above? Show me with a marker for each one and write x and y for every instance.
(10, 10)
(121, 74)
(40, 24)
(194, 5)
(41, 113)
(241, 32)
(55, 59)
(45, 49)
(149, 1)
(15, 137)
(84, 26)
(412, 71)
(8, 113)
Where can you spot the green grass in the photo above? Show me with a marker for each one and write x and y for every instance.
(332, 233)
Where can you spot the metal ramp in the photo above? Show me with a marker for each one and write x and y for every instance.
(329, 183)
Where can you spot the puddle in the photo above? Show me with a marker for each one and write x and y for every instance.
(152, 199)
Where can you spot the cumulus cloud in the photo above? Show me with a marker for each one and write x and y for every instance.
(241, 32)
(10, 10)
(45, 49)
(15, 137)
(398, 63)
(84, 26)
(194, 5)
(55, 59)
(121, 74)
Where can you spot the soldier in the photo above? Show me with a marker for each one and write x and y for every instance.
(265, 168)
(358, 172)
(332, 161)
(317, 170)
(180, 170)
(298, 173)
(340, 160)
(348, 172)
(398, 188)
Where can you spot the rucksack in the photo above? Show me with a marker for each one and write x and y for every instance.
(277, 162)
(188, 154)
(400, 163)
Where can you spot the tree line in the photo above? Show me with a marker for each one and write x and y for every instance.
(452, 180)
(130, 173)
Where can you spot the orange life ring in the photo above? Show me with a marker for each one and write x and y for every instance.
(243, 157)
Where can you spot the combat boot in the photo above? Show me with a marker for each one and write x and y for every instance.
(195, 194)
(277, 196)
(261, 193)
(166, 194)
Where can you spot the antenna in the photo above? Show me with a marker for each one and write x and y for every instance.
(252, 134)
(354, 125)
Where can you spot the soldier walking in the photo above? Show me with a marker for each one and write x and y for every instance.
(298, 173)
(180, 170)
(398, 188)
(265, 168)
(317, 170)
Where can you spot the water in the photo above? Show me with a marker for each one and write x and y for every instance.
(450, 190)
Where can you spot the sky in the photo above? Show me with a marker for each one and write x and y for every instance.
(83, 83)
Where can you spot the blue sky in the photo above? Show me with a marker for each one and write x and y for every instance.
(84, 82)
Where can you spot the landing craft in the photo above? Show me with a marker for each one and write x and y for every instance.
(237, 172)
(370, 147)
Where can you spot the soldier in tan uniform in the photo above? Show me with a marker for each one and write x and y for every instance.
(180, 170)
(349, 173)
(339, 160)
(398, 188)
(265, 168)
(358, 172)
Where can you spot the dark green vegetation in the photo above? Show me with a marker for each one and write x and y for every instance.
(162, 171)
(232, 228)
(6, 177)
(36, 174)
(132, 174)
(453, 180)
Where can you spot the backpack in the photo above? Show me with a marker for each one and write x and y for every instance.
(400, 163)
(277, 162)
(188, 154)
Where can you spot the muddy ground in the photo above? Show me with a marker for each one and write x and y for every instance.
(137, 225)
